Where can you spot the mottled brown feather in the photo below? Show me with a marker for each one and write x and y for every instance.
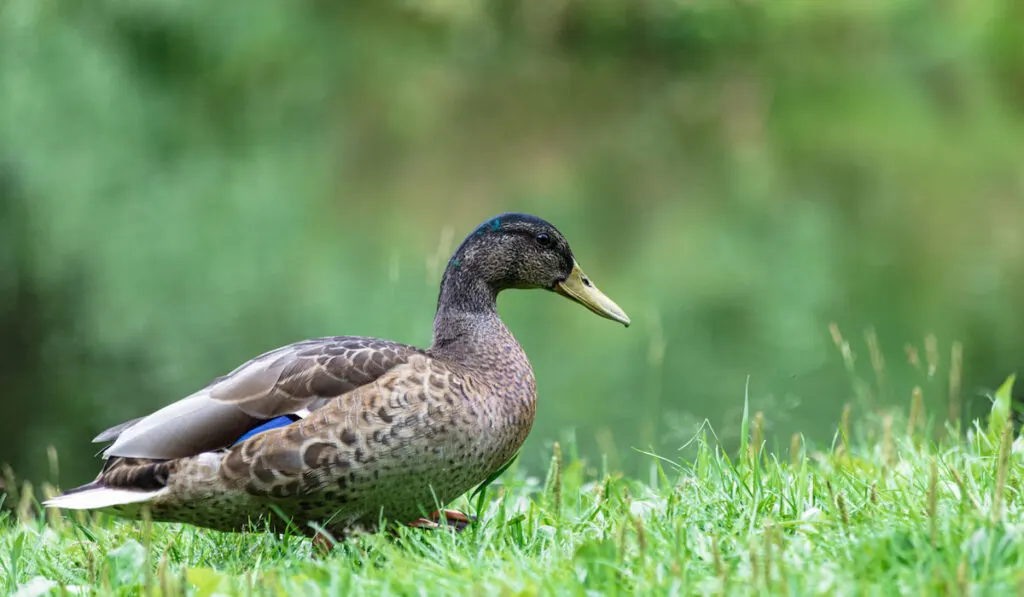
(295, 378)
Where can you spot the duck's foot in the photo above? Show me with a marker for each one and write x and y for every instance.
(323, 544)
(452, 519)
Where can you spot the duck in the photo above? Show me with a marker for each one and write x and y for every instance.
(347, 434)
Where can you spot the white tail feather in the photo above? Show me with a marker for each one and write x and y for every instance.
(101, 497)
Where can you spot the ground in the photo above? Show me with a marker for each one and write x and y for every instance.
(885, 509)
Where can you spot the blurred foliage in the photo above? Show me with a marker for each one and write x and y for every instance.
(185, 184)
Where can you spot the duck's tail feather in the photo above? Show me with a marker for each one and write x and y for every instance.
(95, 496)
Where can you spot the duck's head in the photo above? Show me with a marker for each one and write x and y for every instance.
(515, 250)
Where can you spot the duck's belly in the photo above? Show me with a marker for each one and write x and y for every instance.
(405, 483)
(405, 456)
(398, 488)
(350, 490)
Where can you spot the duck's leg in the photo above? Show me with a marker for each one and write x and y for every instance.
(325, 541)
(323, 544)
(453, 519)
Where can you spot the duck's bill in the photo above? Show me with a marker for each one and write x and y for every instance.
(579, 288)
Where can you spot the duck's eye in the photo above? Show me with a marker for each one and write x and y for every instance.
(544, 240)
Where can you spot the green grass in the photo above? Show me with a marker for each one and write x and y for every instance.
(881, 512)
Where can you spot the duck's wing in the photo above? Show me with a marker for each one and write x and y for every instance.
(292, 380)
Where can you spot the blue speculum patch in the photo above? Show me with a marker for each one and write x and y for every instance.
(282, 421)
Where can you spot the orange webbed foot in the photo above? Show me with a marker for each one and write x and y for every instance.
(452, 519)
(323, 544)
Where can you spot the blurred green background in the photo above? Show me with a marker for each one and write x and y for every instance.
(185, 184)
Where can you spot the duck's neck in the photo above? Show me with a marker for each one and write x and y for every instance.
(467, 313)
